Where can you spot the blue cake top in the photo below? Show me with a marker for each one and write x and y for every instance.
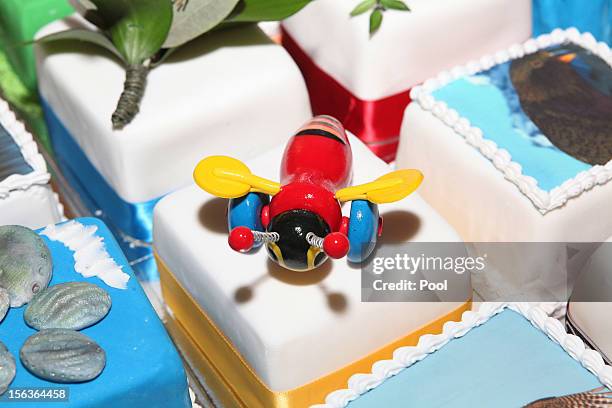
(11, 159)
(550, 110)
(503, 355)
(504, 363)
(143, 368)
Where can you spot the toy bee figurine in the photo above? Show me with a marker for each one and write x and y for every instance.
(302, 225)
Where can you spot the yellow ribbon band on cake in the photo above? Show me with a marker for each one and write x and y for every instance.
(228, 375)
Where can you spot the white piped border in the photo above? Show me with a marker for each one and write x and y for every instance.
(90, 256)
(544, 201)
(29, 150)
(404, 357)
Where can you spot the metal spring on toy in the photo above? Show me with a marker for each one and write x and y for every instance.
(314, 240)
(264, 237)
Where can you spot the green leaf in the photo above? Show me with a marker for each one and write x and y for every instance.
(362, 7)
(375, 21)
(138, 28)
(395, 5)
(77, 34)
(193, 18)
(265, 10)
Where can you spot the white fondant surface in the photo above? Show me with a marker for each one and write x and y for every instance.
(410, 46)
(291, 328)
(473, 195)
(33, 207)
(233, 88)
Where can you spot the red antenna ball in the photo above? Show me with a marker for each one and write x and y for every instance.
(241, 239)
(336, 245)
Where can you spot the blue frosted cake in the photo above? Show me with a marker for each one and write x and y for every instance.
(142, 367)
(517, 147)
(501, 356)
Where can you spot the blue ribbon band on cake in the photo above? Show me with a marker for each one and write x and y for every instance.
(130, 222)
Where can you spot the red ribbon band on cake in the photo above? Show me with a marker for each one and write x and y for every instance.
(377, 123)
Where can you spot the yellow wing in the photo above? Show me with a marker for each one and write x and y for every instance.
(226, 177)
(386, 189)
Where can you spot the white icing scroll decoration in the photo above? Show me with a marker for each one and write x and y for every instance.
(404, 357)
(544, 201)
(90, 256)
(29, 150)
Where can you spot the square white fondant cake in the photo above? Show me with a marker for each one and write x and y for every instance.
(232, 87)
(517, 148)
(354, 75)
(26, 198)
(290, 328)
(503, 355)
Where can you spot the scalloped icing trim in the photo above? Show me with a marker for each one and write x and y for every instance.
(90, 256)
(404, 357)
(29, 150)
(502, 160)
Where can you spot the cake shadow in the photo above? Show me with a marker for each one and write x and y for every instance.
(212, 215)
(336, 301)
(399, 227)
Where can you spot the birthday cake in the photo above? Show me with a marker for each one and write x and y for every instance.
(522, 154)
(122, 358)
(26, 198)
(231, 87)
(541, 363)
(364, 80)
(265, 336)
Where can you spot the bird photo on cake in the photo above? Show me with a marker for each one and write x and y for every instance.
(596, 398)
(566, 91)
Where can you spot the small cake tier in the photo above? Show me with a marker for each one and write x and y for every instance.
(229, 88)
(143, 368)
(498, 356)
(516, 147)
(364, 80)
(264, 336)
(26, 198)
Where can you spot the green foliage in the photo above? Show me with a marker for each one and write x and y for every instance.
(375, 20)
(252, 11)
(142, 33)
(138, 28)
(394, 5)
(193, 18)
(78, 34)
(362, 7)
(377, 8)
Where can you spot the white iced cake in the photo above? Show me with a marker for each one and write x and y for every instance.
(232, 87)
(26, 198)
(364, 80)
(516, 146)
(262, 334)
